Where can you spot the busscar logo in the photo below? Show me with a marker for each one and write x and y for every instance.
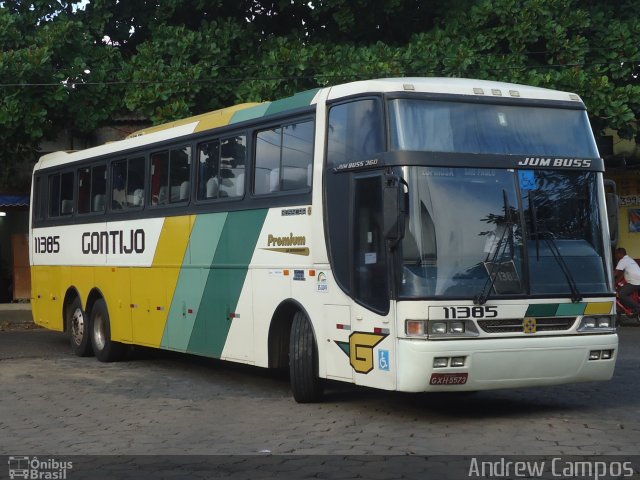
(555, 162)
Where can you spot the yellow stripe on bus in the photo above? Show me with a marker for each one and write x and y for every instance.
(153, 288)
(595, 308)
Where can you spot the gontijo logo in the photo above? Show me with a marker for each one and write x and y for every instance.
(113, 241)
(360, 350)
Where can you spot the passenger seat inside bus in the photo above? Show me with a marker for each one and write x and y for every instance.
(138, 197)
(212, 187)
(66, 207)
(98, 203)
(184, 190)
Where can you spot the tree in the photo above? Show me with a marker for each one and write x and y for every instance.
(587, 47)
(67, 69)
(52, 76)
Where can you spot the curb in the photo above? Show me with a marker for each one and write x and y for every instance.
(16, 314)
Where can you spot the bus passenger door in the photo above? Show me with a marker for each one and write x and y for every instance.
(337, 319)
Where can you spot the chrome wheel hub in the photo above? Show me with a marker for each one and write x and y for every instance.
(98, 332)
(78, 325)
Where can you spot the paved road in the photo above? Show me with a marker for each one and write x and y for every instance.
(54, 403)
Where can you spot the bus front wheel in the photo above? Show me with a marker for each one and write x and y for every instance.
(303, 361)
(78, 328)
(106, 350)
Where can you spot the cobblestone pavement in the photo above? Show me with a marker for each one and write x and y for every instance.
(54, 403)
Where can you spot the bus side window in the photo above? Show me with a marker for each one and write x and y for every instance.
(119, 185)
(66, 193)
(84, 190)
(232, 160)
(135, 182)
(159, 177)
(221, 168)
(284, 158)
(297, 155)
(355, 132)
(208, 168)
(98, 188)
(179, 172)
(38, 213)
(170, 176)
(267, 173)
(54, 195)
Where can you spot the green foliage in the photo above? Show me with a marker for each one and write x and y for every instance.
(71, 70)
(182, 71)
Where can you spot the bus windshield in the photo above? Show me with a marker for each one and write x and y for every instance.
(439, 126)
(535, 231)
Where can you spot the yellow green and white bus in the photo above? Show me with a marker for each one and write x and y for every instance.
(410, 234)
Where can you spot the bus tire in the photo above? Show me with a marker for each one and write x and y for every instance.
(78, 328)
(105, 349)
(303, 361)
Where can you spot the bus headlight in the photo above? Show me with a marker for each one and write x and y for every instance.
(437, 329)
(456, 327)
(599, 323)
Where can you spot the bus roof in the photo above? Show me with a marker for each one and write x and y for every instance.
(248, 111)
(454, 86)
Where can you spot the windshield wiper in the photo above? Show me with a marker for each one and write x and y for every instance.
(553, 248)
(482, 297)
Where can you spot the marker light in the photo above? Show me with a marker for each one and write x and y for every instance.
(440, 362)
(416, 327)
(457, 361)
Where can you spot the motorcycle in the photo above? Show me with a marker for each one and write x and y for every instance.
(625, 315)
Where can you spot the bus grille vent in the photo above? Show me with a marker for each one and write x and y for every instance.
(516, 325)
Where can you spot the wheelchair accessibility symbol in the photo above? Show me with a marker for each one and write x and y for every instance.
(383, 360)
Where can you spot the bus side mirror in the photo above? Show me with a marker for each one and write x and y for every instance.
(393, 212)
(611, 199)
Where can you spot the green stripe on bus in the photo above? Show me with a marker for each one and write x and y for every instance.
(571, 309)
(299, 100)
(225, 280)
(249, 113)
(542, 310)
(203, 243)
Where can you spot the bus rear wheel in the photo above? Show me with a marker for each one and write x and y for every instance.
(105, 349)
(78, 328)
(303, 361)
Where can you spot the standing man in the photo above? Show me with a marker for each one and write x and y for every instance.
(628, 269)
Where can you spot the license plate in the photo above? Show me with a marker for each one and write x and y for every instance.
(448, 378)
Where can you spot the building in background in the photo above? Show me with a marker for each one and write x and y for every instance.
(622, 161)
(15, 280)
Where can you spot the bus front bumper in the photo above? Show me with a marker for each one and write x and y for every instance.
(505, 362)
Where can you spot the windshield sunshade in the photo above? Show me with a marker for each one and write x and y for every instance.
(439, 126)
